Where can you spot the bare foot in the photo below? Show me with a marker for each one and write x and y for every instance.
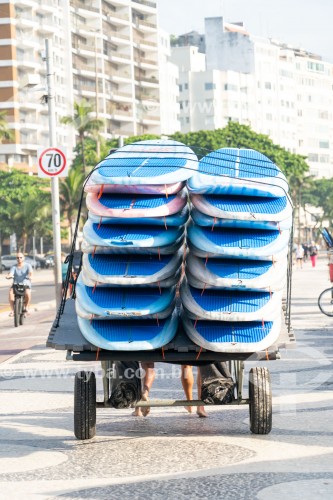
(201, 412)
(188, 409)
(137, 412)
(146, 409)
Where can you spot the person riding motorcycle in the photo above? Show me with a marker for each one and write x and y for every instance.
(21, 273)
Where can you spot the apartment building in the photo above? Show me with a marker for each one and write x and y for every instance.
(277, 89)
(24, 27)
(105, 51)
(169, 89)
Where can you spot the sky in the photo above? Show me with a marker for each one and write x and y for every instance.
(300, 23)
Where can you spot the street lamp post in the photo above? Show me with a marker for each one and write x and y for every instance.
(54, 180)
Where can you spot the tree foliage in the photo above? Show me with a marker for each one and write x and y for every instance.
(319, 193)
(25, 205)
(6, 134)
(70, 189)
(233, 135)
(85, 125)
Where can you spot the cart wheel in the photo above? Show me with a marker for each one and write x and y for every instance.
(85, 405)
(325, 302)
(260, 405)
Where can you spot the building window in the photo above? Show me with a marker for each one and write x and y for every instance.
(324, 144)
(210, 86)
(319, 67)
(180, 88)
(268, 85)
(230, 86)
(186, 86)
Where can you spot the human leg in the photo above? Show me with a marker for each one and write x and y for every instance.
(147, 382)
(27, 298)
(187, 383)
(200, 409)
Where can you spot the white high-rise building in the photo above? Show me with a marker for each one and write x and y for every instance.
(277, 89)
(169, 90)
(24, 26)
(105, 51)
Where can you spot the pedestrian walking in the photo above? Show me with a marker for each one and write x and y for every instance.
(313, 253)
(299, 256)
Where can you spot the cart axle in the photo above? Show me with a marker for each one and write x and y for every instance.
(155, 403)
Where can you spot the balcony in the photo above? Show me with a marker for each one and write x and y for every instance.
(141, 42)
(146, 3)
(28, 61)
(47, 26)
(77, 4)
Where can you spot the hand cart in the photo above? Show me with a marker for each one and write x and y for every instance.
(65, 335)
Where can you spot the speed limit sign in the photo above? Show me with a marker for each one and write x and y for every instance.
(52, 162)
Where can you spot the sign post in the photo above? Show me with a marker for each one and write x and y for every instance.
(52, 163)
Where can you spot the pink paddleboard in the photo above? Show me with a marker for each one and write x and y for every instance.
(139, 189)
(130, 206)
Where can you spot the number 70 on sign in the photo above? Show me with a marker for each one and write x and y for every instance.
(52, 162)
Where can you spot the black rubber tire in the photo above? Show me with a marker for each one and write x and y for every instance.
(22, 315)
(325, 302)
(260, 404)
(85, 405)
(17, 310)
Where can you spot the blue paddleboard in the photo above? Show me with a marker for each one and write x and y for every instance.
(129, 335)
(147, 162)
(243, 208)
(123, 303)
(238, 172)
(236, 274)
(240, 243)
(232, 337)
(230, 305)
(131, 270)
(130, 236)
(177, 219)
(208, 221)
(130, 206)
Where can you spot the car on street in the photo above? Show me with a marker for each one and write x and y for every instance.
(7, 261)
(45, 262)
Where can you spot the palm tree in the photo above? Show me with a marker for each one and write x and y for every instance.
(70, 194)
(83, 123)
(6, 134)
(32, 213)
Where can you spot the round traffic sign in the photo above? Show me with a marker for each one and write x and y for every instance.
(52, 161)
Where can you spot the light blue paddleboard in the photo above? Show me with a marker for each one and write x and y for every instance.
(129, 335)
(237, 243)
(238, 172)
(243, 208)
(208, 221)
(130, 236)
(232, 337)
(230, 305)
(236, 274)
(89, 248)
(147, 162)
(132, 270)
(178, 219)
(123, 303)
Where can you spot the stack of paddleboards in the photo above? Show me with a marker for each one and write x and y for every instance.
(238, 244)
(133, 246)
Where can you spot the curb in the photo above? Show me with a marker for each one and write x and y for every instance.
(41, 306)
